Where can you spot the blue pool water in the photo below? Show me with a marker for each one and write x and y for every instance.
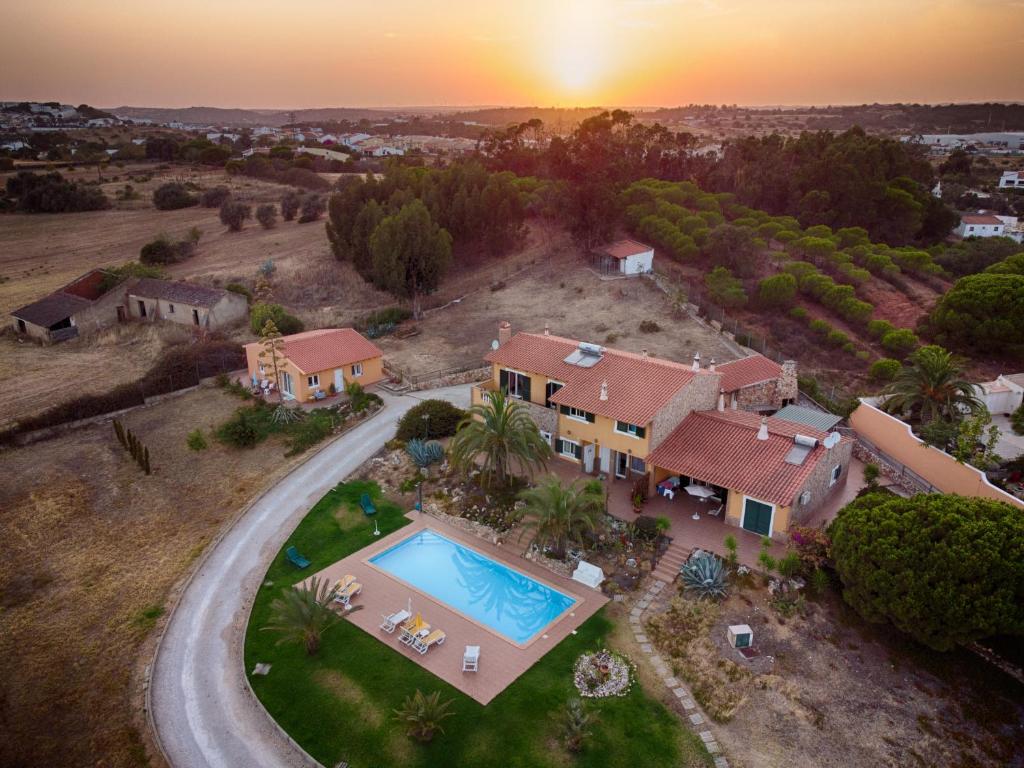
(509, 602)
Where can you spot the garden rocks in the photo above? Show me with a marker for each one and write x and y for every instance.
(602, 674)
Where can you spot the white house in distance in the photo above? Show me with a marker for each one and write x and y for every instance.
(625, 257)
(1012, 180)
(980, 225)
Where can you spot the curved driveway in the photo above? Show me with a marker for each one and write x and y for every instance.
(202, 709)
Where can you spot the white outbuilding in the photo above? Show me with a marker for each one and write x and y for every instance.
(625, 257)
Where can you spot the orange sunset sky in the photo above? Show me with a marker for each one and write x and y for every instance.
(308, 53)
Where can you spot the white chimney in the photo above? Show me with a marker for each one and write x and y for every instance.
(604, 389)
(643, 353)
(721, 400)
(762, 432)
(711, 365)
(696, 361)
(547, 329)
(732, 401)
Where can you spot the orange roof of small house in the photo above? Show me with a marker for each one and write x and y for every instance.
(748, 371)
(313, 351)
(981, 218)
(622, 249)
(638, 386)
(721, 448)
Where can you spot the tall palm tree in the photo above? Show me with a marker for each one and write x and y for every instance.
(559, 515)
(423, 714)
(303, 614)
(500, 432)
(931, 386)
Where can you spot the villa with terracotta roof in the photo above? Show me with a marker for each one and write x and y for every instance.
(980, 225)
(629, 416)
(323, 361)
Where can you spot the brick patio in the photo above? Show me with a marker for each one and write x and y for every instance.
(501, 662)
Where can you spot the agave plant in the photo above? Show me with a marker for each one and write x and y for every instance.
(422, 714)
(705, 575)
(423, 454)
(285, 415)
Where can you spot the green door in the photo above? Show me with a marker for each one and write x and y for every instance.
(757, 517)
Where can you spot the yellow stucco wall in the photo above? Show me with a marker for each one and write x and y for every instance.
(894, 438)
(373, 371)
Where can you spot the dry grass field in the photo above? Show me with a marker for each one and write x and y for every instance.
(92, 548)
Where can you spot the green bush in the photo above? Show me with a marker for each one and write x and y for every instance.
(239, 289)
(798, 313)
(820, 326)
(982, 312)
(317, 425)
(234, 213)
(836, 338)
(1017, 420)
(902, 341)
(213, 198)
(386, 316)
(777, 290)
(724, 289)
(444, 420)
(196, 441)
(286, 324)
(248, 426)
(947, 570)
(885, 369)
(172, 196)
(649, 326)
(878, 328)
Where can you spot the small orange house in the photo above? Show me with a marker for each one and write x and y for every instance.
(325, 361)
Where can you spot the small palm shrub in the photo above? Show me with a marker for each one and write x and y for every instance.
(422, 715)
(302, 614)
(423, 454)
(704, 575)
(577, 725)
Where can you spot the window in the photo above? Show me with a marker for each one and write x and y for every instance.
(837, 470)
(314, 380)
(624, 428)
(516, 384)
(637, 465)
(546, 436)
(170, 309)
(357, 369)
(577, 413)
(570, 449)
(549, 390)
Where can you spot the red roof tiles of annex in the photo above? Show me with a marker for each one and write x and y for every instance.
(622, 249)
(314, 351)
(747, 371)
(638, 387)
(721, 448)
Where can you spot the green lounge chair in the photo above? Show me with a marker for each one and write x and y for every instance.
(367, 505)
(293, 556)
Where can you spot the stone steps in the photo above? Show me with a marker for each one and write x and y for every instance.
(670, 563)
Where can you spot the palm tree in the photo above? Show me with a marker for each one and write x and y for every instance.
(423, 714)
(559, 515)
(500, 431)
(303, 614)
(931, 386)
(577, 725)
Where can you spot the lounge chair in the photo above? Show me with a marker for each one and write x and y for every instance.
(471, 659)
(345, 596)
(293, 557)
(343, 582)
(392, 621)
(717, 511)
(422, 644)
(413, 628)
(367, 504)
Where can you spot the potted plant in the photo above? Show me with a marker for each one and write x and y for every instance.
(638, 503)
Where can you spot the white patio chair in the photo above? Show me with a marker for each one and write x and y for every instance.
(471, 659)
(716, 511)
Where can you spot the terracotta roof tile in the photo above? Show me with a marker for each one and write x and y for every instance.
(980, 219)
(622, 249)
(722, 448)
(183, 293)
(314, 351)
(638, 387)
(748, 371)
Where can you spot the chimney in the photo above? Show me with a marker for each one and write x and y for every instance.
(547, 329)
(504, 332)
(762, 432)
(696, 361)
(711, 365)
(604, 389)
(643, 353)
(721, 401)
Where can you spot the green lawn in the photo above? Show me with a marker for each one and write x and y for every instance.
(338, 704)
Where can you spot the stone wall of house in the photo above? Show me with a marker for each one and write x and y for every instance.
(757, 396)
(454, 379)
(817, 483)
(789, 386)
(701, 394)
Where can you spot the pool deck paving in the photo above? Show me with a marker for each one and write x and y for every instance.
(501, 660)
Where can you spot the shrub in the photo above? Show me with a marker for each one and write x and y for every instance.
(52, 193)
(646, 527)
(777, 290)
(196, 441)
(260, 313)
(214, 198)
(266, 215)
(312, 208)
(290, 205)
(704, 575)
(163, 251)
(1017, 420)
(443, 420)
(885, 369)
(820, 326)
(386, 316)
(811, 547)
(836, 338)
(240, 289)
(248, 426)
(798, 313)
(982, 312)
(724, 289)
(423, 454)
(871, 473)
(233, 214)
(649, 326)
(901, 341)
(172, 196)
(945, 569)
(878, 328)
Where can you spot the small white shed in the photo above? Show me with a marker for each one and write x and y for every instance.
(626, 257)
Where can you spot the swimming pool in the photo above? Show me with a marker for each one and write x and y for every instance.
(509, 602)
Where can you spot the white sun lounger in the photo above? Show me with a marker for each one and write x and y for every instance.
(471, 659)
(391, 622)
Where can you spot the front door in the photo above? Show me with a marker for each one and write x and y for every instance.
(757, 517)
(588, 457)
(339, 379)
(606, 459)
(621, 463)
(142, 309)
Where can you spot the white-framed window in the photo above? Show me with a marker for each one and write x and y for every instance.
(170, 309)
(570, 449)
(552, 387)
(837, 471)
(517, 384)
(546, 435)
(577, 413)
(357, 369)
(313, 381)
(625, 428)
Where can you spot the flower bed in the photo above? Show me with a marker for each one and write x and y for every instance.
(602, 674)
